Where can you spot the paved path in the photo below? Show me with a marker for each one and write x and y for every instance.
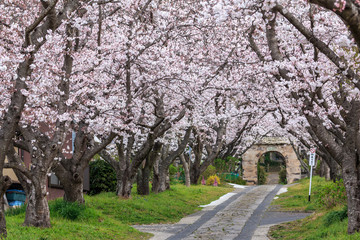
(243, 216)
(272, 178)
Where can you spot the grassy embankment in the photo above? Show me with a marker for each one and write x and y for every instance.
(328, 202)
(105, 216)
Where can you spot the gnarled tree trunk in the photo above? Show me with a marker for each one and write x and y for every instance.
(161, 181)
(74, 187)
(5, 183)
(123, 184)
(160, 178)
(37, 210)
(144, 171)
(71, 171)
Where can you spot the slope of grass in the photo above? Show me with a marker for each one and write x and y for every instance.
(108, 217)
(327, 222)
(168, 206)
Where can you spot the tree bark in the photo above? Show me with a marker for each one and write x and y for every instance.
(161, 168)
(123, 184)
(186, 167)
(5, 183)
(143, 177)
(74, 188)
(194, 174)
(352, 186)
(37, 210)
(160, 178)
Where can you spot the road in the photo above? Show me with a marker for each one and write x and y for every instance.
(244, 216)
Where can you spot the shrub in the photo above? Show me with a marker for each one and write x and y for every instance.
(210, 171)
(211, 180)
(240, 181)
(332, 194)
(261, 175)
(102, 177)
(172, 170)
(67, 210)
(335, 216)
(282, 176)
(232, 178)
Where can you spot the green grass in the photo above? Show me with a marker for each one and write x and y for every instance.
(325, 223)
(169, 206)
(108, 217)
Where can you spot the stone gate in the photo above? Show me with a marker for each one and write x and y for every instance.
(270, 144)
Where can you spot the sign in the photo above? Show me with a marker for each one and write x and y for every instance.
(312, 164)
(271, 149)
(312, 159)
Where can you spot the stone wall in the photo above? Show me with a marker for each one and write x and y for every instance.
(252, 155)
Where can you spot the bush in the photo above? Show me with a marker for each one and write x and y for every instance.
(210, 171)
(261, 175)
(232, 178)
(67, 210)
(332, 194)
(211, 180)
(335, 216)
(240, 181)
(172, 170)
(72, 210)
(102, 177)
(282, 176)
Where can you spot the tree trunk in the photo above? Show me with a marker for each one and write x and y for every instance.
(194, 174)
(143, 179)
(159, 181)
(123, 185)
(186, 167)
(167, 181)
(71, 179)
(144, 171)
(5, 183)
(324, 170)
(37, 210)
(352, 186)
(74, 190)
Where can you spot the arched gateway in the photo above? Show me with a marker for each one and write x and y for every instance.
(270, 144)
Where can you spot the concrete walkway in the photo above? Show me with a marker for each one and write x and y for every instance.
(243, 216)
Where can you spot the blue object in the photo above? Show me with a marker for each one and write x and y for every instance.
(16, 203)
(15, 190)
(15, 195)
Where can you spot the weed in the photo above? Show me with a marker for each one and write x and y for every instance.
(335, 216)
(282, 176)
(332, 194)
(67, 210)
(261, 174)
(16, 211)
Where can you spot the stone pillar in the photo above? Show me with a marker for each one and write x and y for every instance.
(249, 164)
(293, 167)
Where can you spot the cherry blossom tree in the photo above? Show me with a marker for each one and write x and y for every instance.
(314, 70)
(28, 30)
